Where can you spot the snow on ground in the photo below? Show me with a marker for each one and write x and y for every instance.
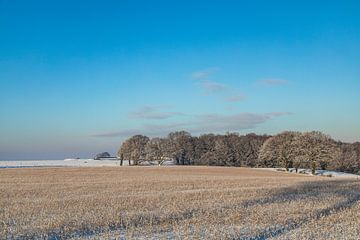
(325, 173)
(59, 163)
(69, 163)
(110, 163)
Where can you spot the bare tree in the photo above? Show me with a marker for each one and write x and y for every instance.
(356, 148)
(347, 161)
(318, 149)
(204, 148)
(248, 147)
(299, 162)
(280, 150)
(224, 153)
(121, 156)
(181, 147)
(155, 149)
(134, 149)
(233, 149)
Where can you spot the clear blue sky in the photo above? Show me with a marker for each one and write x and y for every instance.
(77, 77)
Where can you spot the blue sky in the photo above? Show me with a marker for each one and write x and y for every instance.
(77, 77)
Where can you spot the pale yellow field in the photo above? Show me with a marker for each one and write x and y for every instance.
(176, 203)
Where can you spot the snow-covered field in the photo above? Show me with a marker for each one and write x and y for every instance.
(60, 163)
(70, 163)
(110, 163)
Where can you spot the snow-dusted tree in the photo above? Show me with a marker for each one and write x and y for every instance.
(155, 149)
(210, 149)
(356, 148)
(181, 147)
(134, 149)
(248, 147)
(224, 152)
(204, 149)
(299, 161)
(232, 142)
(280, 150)
(124, 152)
(347, 160)
(318, 149)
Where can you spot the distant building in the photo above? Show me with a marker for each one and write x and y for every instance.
(102, 155)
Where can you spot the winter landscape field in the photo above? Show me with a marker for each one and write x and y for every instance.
(175, 202)
(180, 120)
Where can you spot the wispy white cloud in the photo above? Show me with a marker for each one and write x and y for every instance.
(234, 122)
(229, 93)
(272, 82)
(201, 124)
(204, 74)
(278, 114)
(153, 112)
(212, 87)
(236, 98)
(151, 130)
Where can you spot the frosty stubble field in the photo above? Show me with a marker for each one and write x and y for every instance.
(176, 202)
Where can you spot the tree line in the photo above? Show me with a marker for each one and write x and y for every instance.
(288, 149)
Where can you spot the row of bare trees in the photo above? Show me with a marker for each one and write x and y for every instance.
(209, 149)
(288, 149)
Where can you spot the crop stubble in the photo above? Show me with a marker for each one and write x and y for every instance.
(175, 202)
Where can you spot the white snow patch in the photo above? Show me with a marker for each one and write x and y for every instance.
(59, 163)
(325, 173)
(70, 162)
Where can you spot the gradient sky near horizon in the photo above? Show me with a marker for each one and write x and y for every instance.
(77, 77)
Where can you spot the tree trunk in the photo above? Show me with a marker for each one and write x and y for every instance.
(121, 159)
(313, 167)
